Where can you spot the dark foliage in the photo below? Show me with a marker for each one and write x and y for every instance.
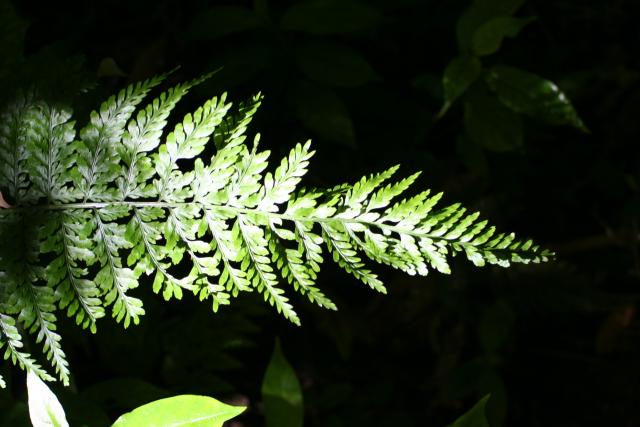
(555, 344)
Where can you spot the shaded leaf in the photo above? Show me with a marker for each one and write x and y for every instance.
(488, 38)
(322, 111)
(490, 124)
(477, 14)
(458, 76)
(475, 417)
(219, 21)
(282, 393)
(335, 65)
(530, 94)
(185, 410)
(44, 408)
(329, 17)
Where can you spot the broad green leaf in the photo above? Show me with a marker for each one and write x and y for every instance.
(475, 417)
(330, 17)
(458, 76)
(530, 94)
(185, 410)
(477, 14)
(282, 393)
(322, 111)
(490, 124)
(335, 65)
(44, 408)
(219, 21)
(488, 38)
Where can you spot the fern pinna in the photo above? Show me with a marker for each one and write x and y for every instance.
(89, 212)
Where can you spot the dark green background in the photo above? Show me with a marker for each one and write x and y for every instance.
(555, 344)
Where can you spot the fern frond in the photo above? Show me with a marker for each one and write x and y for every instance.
(11, 339)
(14, 127)
(95, 211)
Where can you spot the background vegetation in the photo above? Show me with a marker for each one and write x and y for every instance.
(555, 344)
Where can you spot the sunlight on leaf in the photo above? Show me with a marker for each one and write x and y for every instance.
(185, 410)
(44, 408)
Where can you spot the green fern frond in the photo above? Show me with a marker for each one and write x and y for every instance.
(93, 211)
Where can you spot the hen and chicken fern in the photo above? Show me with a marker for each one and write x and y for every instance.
(90, 212)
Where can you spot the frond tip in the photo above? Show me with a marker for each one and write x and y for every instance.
(93, 210)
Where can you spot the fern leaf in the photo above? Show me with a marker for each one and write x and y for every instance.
(346, 255)
(113, 279)
(92, 215)
(255, 261)
(36, 315)
(279, 186)
(11, 339)
(14, 129)
(98, 157)
(50, 152)
(295, 269)
(235, 125)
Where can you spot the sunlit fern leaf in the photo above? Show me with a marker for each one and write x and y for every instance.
(93, 212)
(11, 343)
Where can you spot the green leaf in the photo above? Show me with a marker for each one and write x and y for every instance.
(322, 111)
(477, 14)
(458, 76)
(117, 200)
(185, 410)
(488, 38)
(335, 65)
(282, 393)
(490, 124)
(44, 408)
(475, 417)
(330, 17)
(530, 94)
(219, 21)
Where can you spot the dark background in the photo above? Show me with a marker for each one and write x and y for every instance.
(555, 344)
